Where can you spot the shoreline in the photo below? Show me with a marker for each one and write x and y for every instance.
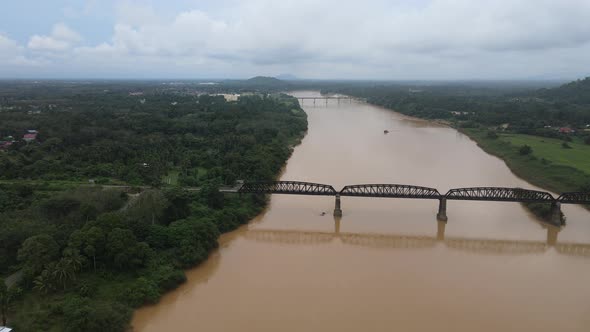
(224, 238)
(550, 185)
(521, 174)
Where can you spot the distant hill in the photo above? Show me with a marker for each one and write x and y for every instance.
(258, 83)
(577, 92)
(287, 77)
(264, 80)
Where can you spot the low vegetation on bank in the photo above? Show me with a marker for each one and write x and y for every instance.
(547, 163)
(86, 256)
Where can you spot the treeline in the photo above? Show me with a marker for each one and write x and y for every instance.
(138, 140)
(486, 114)
(88, 256)
(525, 111)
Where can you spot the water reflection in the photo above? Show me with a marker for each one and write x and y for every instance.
(400, 241)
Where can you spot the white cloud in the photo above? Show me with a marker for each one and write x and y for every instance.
(63, 32)
(136, 15)
(46, 43)
(335, 39)
(62, 38)
(8, 48)
(12, 56)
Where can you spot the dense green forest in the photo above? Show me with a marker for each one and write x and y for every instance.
(87, 255)
(139, 140)
(526, 111)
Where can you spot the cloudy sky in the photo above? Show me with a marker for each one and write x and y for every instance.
(369, 39)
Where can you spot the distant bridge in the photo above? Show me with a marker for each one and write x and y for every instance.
(326, 99)
(494, 194)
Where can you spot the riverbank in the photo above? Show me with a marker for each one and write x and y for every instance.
(539, 171)
(105, 261)
(291, 263)
(542, 171)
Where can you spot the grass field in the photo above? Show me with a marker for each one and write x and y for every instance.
(549, 166)
(549, 148)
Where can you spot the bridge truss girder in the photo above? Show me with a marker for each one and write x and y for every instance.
(390, 190)
(574, 198)
(287, 187)
(499, 194)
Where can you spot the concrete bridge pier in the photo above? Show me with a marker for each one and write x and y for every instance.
(337, 209)
(556, 213)
(442, 210)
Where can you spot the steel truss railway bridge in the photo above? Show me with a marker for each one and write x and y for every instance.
(326, 99)
(493, 194)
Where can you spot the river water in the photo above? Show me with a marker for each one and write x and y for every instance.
(387, 264)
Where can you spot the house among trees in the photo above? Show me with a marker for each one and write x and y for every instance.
(566, 130)
(6, 142)
(4, 145)
(5, 329)
(30, 136)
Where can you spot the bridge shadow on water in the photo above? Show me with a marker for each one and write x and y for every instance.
(397, 241)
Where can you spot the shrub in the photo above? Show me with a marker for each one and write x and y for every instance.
(525, 150)
(143, 291)
(82, 314)
(167, 277)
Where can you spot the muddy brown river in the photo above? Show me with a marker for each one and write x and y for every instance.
(387, 264)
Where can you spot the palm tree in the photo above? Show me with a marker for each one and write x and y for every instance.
(45, 281)
(74, 260)
(63, 271)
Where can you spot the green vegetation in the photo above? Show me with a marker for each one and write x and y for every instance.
(551, 149)
(90, 254)
(542, 134)
(547, 165)
(171, 178)
(120, 139)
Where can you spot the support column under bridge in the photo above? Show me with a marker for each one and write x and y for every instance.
(442, 210)
(337, 209)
